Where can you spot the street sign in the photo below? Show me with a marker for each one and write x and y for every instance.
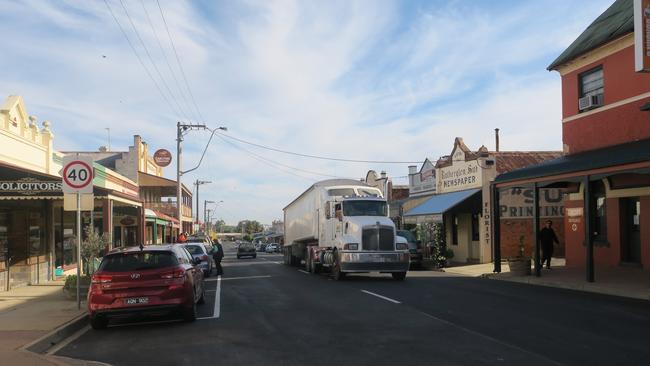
(162, 157)
(77, 174)
(70, 202)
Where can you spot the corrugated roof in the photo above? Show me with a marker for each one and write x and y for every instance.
(511, 160)
(441, 203)
(615, 22)
(633, 152)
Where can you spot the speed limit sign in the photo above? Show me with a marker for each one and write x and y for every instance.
(77, 174)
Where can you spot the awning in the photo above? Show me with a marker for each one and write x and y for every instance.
(581, 163)
(432, 209)
(149, 213)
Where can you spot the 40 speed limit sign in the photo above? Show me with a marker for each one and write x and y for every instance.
(77, 174)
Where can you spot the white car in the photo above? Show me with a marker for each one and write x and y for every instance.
(271, 248)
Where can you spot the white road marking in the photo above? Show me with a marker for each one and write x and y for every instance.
(235, 278)
(303, 271)
(381, 297)
(67, 341)
(216, 313)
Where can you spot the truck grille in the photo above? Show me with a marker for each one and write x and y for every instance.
(378, 238)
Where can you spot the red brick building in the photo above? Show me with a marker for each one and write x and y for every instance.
(605, 172)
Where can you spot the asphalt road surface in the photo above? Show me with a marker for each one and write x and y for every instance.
(262, 312)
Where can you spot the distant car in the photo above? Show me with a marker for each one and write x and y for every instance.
(246, 250)
(199, 250)
(271, 248)
(415, 246)
(262, 247)
(199, 238)
(154, 280)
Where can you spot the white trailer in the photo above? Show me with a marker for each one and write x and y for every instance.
(342, 225)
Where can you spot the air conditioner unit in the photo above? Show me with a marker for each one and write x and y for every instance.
(590, 101)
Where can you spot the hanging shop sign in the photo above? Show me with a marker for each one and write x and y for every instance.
(30, 187)
(162, 157)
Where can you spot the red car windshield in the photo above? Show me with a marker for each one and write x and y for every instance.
(137, 261)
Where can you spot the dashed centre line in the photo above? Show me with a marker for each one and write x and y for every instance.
(381, 297)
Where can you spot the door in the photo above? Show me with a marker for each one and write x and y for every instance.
(630, 230)
(18, 253)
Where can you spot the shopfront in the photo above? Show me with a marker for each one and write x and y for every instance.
(26, 200)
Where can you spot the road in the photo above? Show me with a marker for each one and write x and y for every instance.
(272, 314)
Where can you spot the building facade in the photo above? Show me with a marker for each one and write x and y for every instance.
(462, 203)
(37, 236)
(606, 135)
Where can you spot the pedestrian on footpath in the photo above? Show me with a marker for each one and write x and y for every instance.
(217, 255)
(547, 237)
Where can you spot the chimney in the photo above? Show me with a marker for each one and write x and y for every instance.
(383, 174)
(496, 136)
(413, 169)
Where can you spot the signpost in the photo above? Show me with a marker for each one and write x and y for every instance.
(77, 176)
(642, 35)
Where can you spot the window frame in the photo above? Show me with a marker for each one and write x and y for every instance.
(454, 229)
(581, 91)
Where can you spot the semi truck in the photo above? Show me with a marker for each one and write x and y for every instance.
(342, 226)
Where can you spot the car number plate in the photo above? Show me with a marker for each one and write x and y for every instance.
(137, 300)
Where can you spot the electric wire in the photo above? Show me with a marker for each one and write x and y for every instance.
(146, 50)
(180, 65)
(137, 55)
(171, 71)
(278, 163)
(316, 156)
(266, 162)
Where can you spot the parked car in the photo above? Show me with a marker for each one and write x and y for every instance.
(199, 238)
(246, 250)
(156, 279)
(199, 250)
(271, 248)
(415, 247)
(262, 247)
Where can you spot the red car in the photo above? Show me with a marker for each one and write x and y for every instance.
(152, 280)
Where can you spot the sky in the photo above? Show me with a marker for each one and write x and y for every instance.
(362, 80)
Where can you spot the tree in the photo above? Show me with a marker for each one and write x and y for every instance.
(249, 227)
(91, 247)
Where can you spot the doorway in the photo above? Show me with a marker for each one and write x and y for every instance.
(631, 230)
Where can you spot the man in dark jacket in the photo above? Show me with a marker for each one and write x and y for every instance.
(217, 255)
(547, 237)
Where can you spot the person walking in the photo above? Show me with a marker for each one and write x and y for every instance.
(547, 237)
(217, 255)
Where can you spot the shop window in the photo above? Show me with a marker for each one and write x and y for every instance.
(591, 88)
(454, 230)
(475, 228)
(599, 213)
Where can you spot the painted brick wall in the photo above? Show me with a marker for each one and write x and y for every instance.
(513, 230)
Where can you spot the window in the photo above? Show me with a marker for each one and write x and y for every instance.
(137, 261)
(365, 208)
(599, 213)
(454, 230)
(475, 228)
(591, 84)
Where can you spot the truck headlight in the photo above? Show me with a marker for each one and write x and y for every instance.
(351, 246)
(401, 246)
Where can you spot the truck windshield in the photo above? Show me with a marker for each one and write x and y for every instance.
(365, 208)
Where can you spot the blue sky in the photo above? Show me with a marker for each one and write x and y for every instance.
(369, 80)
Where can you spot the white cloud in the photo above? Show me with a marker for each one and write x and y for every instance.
(372, 80)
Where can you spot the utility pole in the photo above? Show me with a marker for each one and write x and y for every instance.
(205, 203)
(197, 184)
(181, 130)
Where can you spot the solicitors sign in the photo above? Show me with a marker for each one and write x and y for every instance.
(642, 35)
(30, 187)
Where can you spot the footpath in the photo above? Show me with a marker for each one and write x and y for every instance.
(620, 281)
(35, 318)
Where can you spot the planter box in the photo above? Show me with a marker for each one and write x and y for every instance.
(520, 266)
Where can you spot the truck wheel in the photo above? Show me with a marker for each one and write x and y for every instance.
(399, 276)
(336, 272)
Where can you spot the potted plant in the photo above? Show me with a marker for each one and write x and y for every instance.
(449, 254)
(520, 265)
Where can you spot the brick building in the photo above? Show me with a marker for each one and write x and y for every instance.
(605, 171)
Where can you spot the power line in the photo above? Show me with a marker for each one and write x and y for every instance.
(316, 156)
(278, 163)
(178, 60)
(146, 50)
(128, 40)
(162, 50)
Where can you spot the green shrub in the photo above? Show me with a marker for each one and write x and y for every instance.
(71, 281)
